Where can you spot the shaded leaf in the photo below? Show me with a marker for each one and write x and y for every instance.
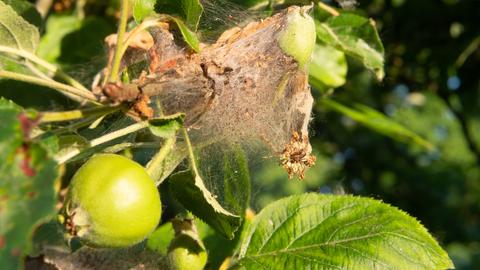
(377, 121)
(328, 67)
(219, 248)
(190, 191)
(354, 35)
(189, 10)
(313, 231)
(48, 234)
(15, 31)
(86, 42)
(224, 169)
(57, 27)
(222, 173)
(27, 193)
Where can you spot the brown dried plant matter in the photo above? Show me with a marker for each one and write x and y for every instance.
(239, 88)
(296, 157)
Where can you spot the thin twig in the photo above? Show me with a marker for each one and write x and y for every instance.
(120, 33)
(74, 93)
(122, 146)
(36, 71)
(71, 127)
(467, 52)
(328, 9)
(47, 117)
(48, 66)
(80, 8)
(191, 155)
(101, 140)
(462, 119)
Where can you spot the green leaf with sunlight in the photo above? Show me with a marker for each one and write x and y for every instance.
(190, 37)
(376, 121)
(27, 10)
(142, 9)
(328, 68)
(354, 35)
(27, 193)
(15, 31)
(313, 231)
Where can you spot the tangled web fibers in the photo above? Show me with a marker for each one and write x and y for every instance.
(241, 89)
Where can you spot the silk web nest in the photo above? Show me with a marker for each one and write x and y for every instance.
(240, 89)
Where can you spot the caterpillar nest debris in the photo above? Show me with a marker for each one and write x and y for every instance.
(244, 86)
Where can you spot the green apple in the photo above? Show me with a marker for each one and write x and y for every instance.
(184, 253)
(112, 202)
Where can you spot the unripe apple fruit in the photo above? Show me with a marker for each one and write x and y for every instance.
(184, 253)
(112, 202)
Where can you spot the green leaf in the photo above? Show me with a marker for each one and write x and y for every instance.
(27, 194)
(328, 67)
(48, 234)
(176, 155)
(85, 43)
(58, 26)
(221, 180)
(377, 121)
(313, 231)
(27, 10)
(15, 31)
(236, 179)
(11, 133)
(218, 247)
(190, 190)
(142, 9)
(190, 37)
(354, 35)
(193, 11)
(189, 10)
(12, 63)
(166, 127)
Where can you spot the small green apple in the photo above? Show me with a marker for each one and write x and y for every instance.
(112, 202)
(184, 253)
